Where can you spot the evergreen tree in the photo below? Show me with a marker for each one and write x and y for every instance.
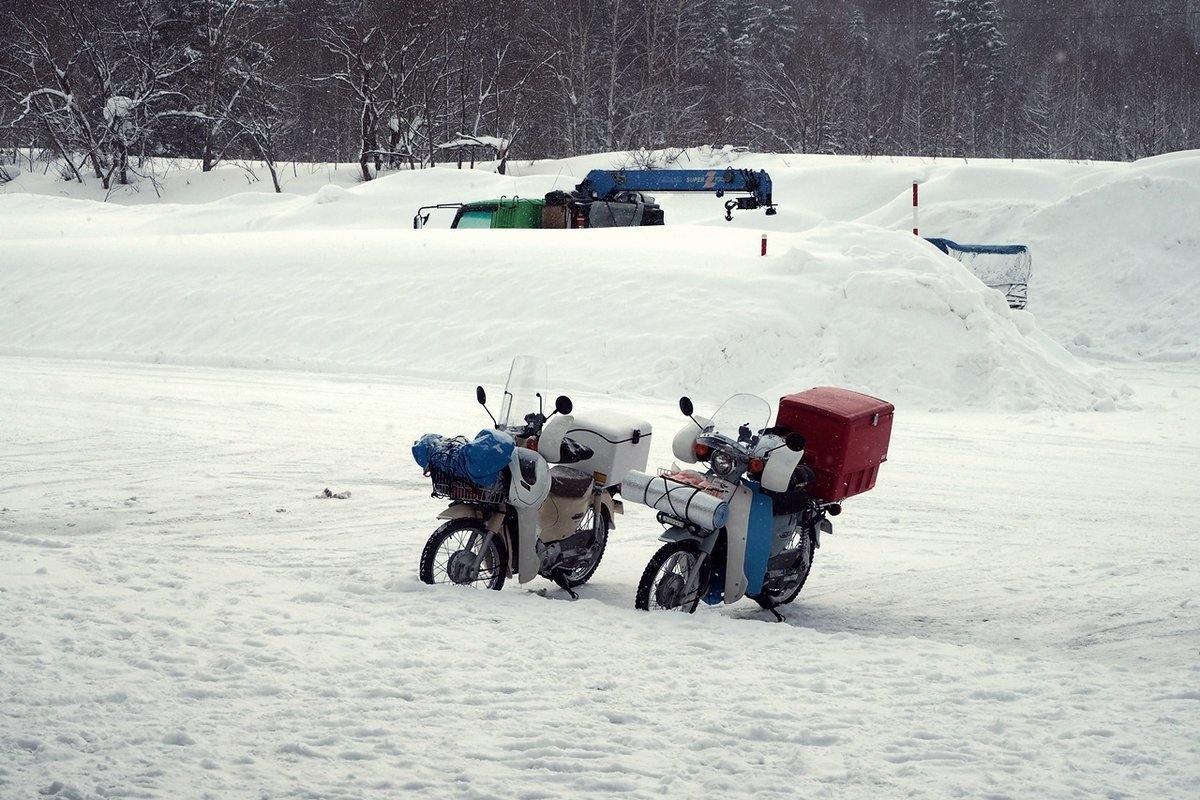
(963, 72)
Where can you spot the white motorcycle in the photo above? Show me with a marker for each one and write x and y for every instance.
(510, 511)
(750, 524)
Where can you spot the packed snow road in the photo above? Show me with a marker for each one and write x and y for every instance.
(1011, 613)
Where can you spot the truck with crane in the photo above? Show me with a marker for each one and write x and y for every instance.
(618, 199)
(611, 199)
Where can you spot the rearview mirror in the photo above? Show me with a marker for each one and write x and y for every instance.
(563, 404)
(685, 405)
(480, 395)
(795, 442)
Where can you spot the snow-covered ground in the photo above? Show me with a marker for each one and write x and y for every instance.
(1012, 612)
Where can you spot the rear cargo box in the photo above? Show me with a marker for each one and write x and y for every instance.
(846, 435)
(619, 442)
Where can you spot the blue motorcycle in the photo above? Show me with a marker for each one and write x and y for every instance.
(744, 526)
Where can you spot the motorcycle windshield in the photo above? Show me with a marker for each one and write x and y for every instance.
(523, 392)
(741, 418)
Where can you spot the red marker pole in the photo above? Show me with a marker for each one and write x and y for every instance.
(915, 209)
(764, 245)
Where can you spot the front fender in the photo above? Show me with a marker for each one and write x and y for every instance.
(492, 520)
(675, 534)
(461, 511)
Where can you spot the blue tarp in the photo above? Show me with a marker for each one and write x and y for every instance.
(945, 245)
(480, 460)
(1005, 267)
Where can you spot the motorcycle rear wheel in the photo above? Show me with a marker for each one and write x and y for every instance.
(768, 600)
(598, 526)
(448, 557)
(663, 586)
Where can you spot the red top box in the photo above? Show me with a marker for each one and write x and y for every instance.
(846, 438)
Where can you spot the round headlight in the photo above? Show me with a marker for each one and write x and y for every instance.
(722, 463)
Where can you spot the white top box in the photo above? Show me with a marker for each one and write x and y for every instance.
(618, 441)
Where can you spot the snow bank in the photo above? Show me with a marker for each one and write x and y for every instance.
(1133, 296)
(335, 279)
(628, 311)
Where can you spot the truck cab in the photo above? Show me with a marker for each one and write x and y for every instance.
(505, 212)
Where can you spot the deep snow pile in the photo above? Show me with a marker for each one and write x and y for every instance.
(629, 311)
(337, 280)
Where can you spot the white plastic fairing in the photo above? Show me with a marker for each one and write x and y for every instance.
(527, 534)
(780, 465)
(528, 491)
(550, 440)
(684, 443)
(528, 487)
(737, 528)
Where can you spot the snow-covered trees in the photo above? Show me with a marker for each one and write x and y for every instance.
(226, 41)
(389, 83)
(665, 94)
(421, 74)
(962, 71)
(97, 81)
(617, 74)
(363, 49)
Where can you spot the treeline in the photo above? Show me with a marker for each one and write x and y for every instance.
(102, 85)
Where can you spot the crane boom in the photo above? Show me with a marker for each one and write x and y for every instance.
(602, 184)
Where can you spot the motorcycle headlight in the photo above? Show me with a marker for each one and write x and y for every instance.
(722, 463)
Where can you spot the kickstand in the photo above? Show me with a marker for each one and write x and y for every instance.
(561, 580)
(778, 617)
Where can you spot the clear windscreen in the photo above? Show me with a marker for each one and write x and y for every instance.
(741, 417)
(524, 391)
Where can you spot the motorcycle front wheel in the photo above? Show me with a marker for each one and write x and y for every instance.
(664, 583)
(452, 551)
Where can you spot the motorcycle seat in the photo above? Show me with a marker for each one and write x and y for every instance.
(569, 482)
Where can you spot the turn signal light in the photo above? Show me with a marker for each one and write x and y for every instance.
(757, 465)
(701, 451)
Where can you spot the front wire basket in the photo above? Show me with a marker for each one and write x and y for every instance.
(456, 487)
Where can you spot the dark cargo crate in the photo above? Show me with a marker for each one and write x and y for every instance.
(846, 437)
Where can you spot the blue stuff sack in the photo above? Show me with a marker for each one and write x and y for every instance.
(480, 460)
(424, 448)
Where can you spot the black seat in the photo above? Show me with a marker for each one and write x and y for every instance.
(569, 482)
